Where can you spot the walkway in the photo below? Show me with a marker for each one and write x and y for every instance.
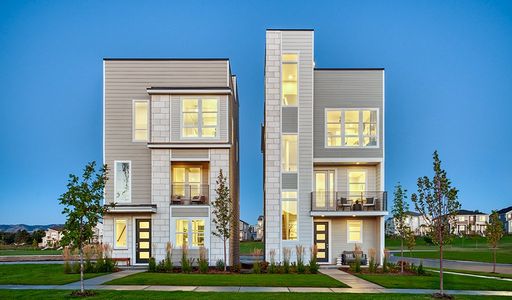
(457, 264)
(349, 279)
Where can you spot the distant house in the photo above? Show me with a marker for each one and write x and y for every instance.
(259, 229)
(52, 237)
(245, 233)
(470, 222)
(506, 218)
(414, 220)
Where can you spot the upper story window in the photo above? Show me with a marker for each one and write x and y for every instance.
(199, 117)
(140, 120)
(289, 153)
(351, 127)
(289, 79)
(122, 181)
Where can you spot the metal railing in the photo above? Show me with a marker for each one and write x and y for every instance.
(349, 201)
(190, 194)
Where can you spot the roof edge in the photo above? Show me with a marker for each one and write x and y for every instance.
(349, 69)
(170, 59)
(289, 29)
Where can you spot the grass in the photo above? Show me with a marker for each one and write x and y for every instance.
(462, 248)
(29, 251)
(120, 295)
(38, 274)
(431, 281)
(248, 247)
(284, 280)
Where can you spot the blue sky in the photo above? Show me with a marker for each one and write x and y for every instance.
(448, 84)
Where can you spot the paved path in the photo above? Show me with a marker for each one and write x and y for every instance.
(105, 278)
(457, 264)
(349, 279)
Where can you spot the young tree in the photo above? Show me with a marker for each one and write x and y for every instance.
(222, 211)
(83, 209)
(436, 200)
(494, 233)
(410, 240)
(400, 207)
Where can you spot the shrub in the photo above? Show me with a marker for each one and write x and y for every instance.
(293, 267)
(301, 268)
(67, 255)
(186, 263)
(152, 265)
(219, 265)
(76, 267)
(428, 239)
(286, 260)
(372, 265)
(88, 253)
(420, 271)
(256, 267)
(203, 260)
(160, 267)
(272, 268)
(385, 265)
(168, 257)
(109, 264)
(313, 264)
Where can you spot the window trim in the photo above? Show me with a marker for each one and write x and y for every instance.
(134, 140)
(116, 247)
(361, 128)
(190, 233)
(361, 170)
(200, 117)
(297, 62)
(115, 181)
(348, 231)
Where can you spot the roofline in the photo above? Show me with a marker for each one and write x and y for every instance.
(290, 29)
(187, 88)
(170, 59)
(349, 69)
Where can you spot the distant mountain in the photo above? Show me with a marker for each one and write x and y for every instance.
(29, 228)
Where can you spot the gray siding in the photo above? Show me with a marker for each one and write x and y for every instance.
(189, 212)
(184, 154)
(347, 89)
(126, 80)
(290, 119)
(289, 181)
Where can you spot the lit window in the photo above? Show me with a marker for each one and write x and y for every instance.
(190, 230)
(289, 81)
(181, 233)
(140, 120)
(351, 128)
(197, 233)
(289, 153)
(357, 185)
(122, 181)
(289, 215)
(355, 231)
(200, 117)
(186, 182)
(120, 233)
(461, 218)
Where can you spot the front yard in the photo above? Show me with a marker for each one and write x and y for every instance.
(247, 248)
(38, 274)
(10, 251)
(283, 280)
(431, 281)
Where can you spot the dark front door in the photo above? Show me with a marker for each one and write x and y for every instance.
(142, 240)
(322, 241)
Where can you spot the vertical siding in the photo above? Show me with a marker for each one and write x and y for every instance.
(290, 119)
(347, 89)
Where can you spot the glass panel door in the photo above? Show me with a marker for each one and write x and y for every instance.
(142, 240)
(186, 182)
(324, 189)
(322, 241)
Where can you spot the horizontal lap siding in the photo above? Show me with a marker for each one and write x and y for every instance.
(346, 89)
(128, 80)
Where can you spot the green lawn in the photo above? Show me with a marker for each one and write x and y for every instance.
(248, 247)
(431, 281)
(103, 294)
(30, 251)
(286, 280)
(38, 274)
(478, 273)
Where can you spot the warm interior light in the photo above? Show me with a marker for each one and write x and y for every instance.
(290, 77)
(353, 216)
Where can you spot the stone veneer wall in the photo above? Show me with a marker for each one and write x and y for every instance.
(160, 118)
(160, 195)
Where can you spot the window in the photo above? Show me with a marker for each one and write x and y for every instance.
(190, 230)
(481, 218)
(122, 181)
(289, 78)
(199, 117)
(289, 215)
(120, 233)
(461, 218)
(186, 181)
(140, 120)
(356, 185)
(355, 231)
(289, 153)
(351, 128)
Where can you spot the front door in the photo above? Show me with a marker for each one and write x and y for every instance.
(142, 240)
(324, 189)
(322, 241)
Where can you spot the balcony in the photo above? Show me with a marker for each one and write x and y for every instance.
(369, 201)
(190, 194)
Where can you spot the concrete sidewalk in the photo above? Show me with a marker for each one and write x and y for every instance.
(349, 279)
(95, 281)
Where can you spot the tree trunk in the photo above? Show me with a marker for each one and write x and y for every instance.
(441, 267)
(225, 262)
(494, 261)
(402, 255)
(81, 270)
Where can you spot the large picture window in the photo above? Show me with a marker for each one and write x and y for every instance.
(289, 215)
(289, 79)
(140, 120)
(122, 181)
(289, 153)
(351, 127)
(190, 230)
(120, 231)
(199, 117)
(355, 231)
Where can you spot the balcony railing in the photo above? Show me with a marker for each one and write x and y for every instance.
(349, 201)
(190, 194)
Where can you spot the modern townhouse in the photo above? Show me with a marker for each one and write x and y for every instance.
(505, 215)
(170, 126)
(323, 147)
(469, 222)
(414, 220)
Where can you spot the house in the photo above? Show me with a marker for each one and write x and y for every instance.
(414, 220)
(323, 148)
(52, 237)
(170, 127)
(469, 222)
(505, 215)
(97, 236)
(258, 228)
(245, 231)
